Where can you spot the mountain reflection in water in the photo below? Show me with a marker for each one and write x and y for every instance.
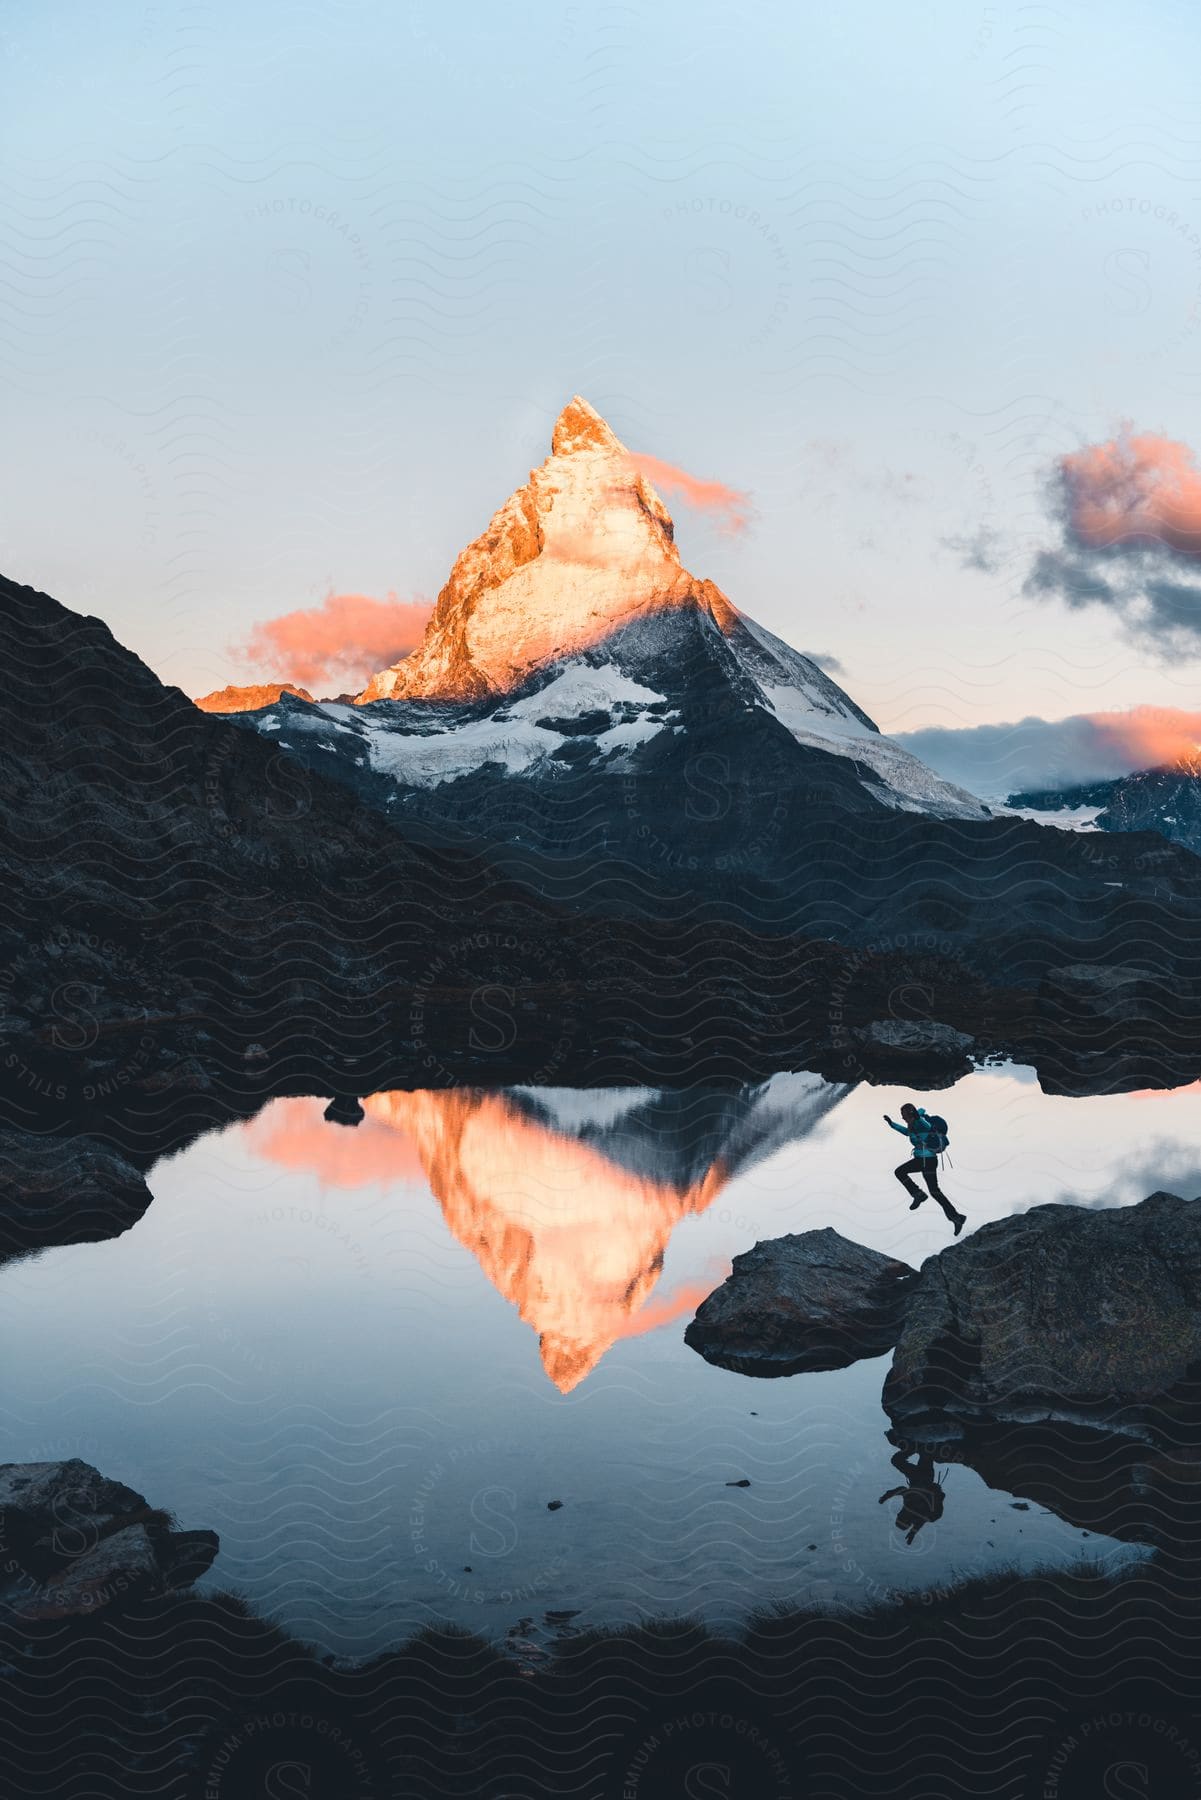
(567, 1198)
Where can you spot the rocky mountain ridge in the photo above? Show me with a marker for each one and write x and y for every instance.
(1166, 799)
(573, 609)
(249, 699)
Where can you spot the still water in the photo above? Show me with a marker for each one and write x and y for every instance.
(370, 1358)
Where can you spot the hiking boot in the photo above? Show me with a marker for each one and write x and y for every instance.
(959, 1221)
(916, 1202)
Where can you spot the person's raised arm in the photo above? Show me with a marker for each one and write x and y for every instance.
(903, 1129)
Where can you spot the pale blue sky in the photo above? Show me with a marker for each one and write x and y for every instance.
(972, 250)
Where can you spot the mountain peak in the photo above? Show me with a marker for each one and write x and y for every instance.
(580, 427)
(249, 699)
(577, 580)
(573, 553)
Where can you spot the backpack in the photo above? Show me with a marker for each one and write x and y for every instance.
(937, 1137)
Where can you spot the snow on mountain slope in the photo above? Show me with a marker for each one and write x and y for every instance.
(569, 635)
(818, 713)
(424, 748)
(583, 551)
(1065, 818)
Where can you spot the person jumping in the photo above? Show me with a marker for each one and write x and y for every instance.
(928, 1136)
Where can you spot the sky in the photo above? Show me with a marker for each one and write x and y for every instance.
(291, 296)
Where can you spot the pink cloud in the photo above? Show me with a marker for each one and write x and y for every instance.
(339, 643)
(726, 505)
(1137, 490)
(1147, 736)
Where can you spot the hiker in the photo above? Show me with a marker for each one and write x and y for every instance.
(923, 1494)
(928, 1135)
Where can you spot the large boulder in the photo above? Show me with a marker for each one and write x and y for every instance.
(1101, 1004)
(131, 1563)
(64, 1190)
(812, 1300)
(1116, 989)
(922, 1039)
(44, 1507)
(1069, 1313)
(1063, 1070)
(921, 1052)
(74, 1541)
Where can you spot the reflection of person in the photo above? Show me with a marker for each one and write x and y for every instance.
(923, 1496)
(926, 1141)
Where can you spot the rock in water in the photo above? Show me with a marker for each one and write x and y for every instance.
(812, 1300)
(1061, 1313)
(75, 1542)
(344, 1109)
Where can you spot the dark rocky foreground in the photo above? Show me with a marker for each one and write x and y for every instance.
(190, 921)
(1011, 1688)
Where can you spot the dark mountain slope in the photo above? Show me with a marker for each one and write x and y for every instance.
(185, 909)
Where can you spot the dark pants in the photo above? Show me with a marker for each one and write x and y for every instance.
(927, 1168)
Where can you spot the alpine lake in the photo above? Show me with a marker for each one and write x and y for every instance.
(431, 1366)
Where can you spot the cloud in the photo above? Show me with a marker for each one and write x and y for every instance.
(981, 549)
(339, 643)
(730, 509)
(830, 664)
(1129, 518)
(995, 760)
(1135, 491)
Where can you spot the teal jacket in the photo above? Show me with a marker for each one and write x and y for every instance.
(918, 1133)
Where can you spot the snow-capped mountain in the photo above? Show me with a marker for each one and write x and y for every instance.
(579, 691)
(1166, 799)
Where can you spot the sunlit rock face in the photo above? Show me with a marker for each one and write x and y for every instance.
(249, 699)
(581, 547)
(570, 640)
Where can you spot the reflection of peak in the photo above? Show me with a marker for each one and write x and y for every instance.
(679, 1135)
(569, 1199)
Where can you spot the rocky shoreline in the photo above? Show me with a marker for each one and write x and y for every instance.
(1056, 1351)
(176, 1696)
(74, 1542)
(1074, 1314)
